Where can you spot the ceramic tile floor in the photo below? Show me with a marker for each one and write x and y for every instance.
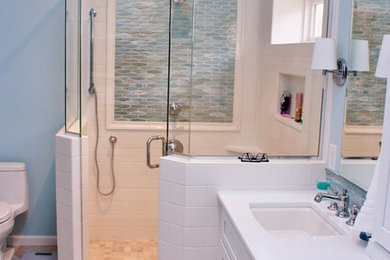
(123, 250)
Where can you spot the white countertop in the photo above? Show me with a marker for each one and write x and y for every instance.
(265, 246)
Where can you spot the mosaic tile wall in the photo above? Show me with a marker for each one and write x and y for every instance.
(356, 194)
(366, 93)
(141, 60)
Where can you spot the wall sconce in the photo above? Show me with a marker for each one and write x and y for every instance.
(359, 57)
(383, 65)
(325, 59)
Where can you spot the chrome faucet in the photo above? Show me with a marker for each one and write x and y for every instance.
(343, 200)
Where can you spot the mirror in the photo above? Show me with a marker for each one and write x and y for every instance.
(274, 103)
(365, 96)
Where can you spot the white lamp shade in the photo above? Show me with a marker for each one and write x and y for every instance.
(383, 66)
(359, 56)
(324, 55)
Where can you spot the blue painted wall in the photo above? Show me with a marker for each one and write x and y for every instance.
(32, 100)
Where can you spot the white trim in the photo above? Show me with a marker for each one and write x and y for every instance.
(16, 240)
(363, 130)
(179, 126)
(195, 126)
(330, 32)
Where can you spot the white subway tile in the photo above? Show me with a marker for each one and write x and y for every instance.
(202, 217)
(67, 146)
(194, 237)
(63, 180)
(172, 171)
(172, 192)
(171, 233)
(195, 196)
(203, 253)
(212, 236)
(169, 251)
(172, 213)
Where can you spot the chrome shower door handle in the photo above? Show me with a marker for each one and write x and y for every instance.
(148, 144)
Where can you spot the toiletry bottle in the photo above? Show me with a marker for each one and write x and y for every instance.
(298, 106)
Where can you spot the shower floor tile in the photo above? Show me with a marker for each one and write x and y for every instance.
(123, 250)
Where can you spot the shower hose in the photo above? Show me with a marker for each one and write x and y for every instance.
(112, 141)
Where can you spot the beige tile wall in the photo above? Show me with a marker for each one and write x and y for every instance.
(132, 211)
(290, 59)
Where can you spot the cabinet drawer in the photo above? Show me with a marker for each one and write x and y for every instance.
(224, 254)
(239, 250)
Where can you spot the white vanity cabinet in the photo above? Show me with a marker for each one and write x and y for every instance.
(231, 245)
(381, 232)
(379, 246)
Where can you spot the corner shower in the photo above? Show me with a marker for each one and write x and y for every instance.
(182, 72)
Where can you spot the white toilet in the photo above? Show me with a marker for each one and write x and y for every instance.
(13, 201)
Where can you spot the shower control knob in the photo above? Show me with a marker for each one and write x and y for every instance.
(174, 109)
(113, 139)
(175, 146)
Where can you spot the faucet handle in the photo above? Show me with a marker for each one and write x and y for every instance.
(354, 210)
(333, 206)
(333, 192)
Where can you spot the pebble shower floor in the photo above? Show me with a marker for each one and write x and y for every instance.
(123, 250)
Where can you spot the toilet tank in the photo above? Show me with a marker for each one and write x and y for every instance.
(13, 186)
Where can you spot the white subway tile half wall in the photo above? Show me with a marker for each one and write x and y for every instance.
(68, 195)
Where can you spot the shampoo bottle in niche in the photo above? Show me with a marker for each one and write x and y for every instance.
(285, 103)
(298, 106)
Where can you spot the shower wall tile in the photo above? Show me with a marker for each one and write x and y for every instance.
(141, 51)
(137, 192)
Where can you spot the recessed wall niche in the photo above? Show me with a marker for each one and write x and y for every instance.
(291, 84)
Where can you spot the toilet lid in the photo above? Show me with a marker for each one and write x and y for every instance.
(5, 212)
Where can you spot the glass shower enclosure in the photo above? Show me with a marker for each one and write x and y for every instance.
(73, 67)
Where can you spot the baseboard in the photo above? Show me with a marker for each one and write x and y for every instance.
(32, 240)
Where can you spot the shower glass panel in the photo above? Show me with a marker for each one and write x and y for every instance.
(203, 57)
(213, 61)
(180, 80)
(141, 59)
(72, 67)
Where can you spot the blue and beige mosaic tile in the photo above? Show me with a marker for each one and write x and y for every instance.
(202, 60)
(357, 195)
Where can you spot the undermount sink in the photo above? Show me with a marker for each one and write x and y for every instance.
(294, 221)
